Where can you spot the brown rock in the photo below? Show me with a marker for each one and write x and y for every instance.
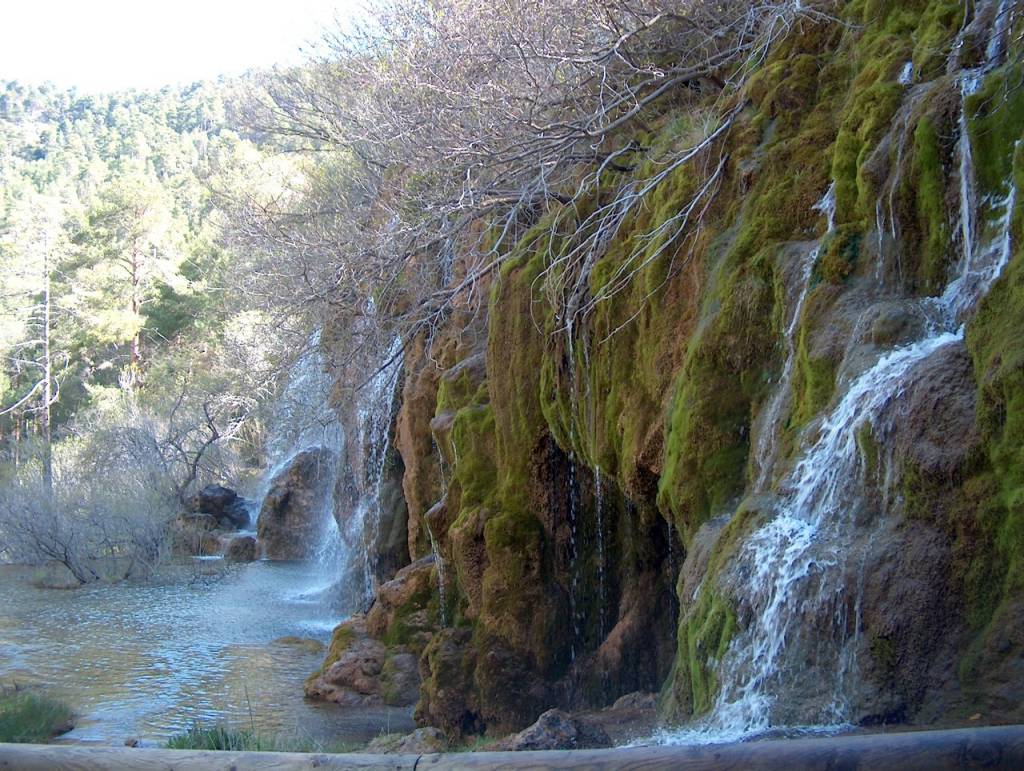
(399, 610)
(351, 673)
(291, 520)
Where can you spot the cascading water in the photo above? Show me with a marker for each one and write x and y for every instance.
(303, 420)
(807, 560)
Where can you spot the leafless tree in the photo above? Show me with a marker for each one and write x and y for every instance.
(454, 125)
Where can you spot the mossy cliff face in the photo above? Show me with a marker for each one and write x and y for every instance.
(588, 490)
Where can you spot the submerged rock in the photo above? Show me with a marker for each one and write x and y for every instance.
(292, 517)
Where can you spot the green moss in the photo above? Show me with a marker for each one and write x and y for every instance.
(407, 624)
(727, 369)
(839, 255)
(993, 520)
(996, 124)
(705, 639)
(930, 186)
(705, 631)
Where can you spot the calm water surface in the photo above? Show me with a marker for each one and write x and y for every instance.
(149, 659)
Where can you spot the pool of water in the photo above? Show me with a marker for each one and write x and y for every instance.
(199, 643)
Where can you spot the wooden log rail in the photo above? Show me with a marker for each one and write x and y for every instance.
(965, 748)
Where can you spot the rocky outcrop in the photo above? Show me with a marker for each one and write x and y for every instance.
(213, 514)
(593, 493)
(374, 658)
(229, 509)
(294, 513)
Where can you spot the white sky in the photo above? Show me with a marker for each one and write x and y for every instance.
(104, 45)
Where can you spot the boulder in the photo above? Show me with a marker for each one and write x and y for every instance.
(223, 504)
(557, 730)
(422, 741)
(242, 549)
(292, 518)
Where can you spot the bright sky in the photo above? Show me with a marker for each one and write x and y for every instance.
(104, 45)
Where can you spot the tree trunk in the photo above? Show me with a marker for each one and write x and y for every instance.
(48, 389)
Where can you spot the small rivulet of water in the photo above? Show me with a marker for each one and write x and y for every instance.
(806, 561)
(574, 556)
(769, 419)
(602, 592)
(439, 562)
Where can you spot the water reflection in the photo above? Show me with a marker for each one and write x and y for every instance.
(197, 644)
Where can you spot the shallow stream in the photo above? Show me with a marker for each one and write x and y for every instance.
(200, 643)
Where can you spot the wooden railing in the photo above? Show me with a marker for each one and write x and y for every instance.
(966, 748)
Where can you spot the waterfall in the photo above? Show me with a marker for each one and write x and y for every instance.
(302, 419)
(806, 560)
(374, 410)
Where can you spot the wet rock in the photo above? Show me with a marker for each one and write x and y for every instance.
(895, 323)
(400, 680)
(391, 548)
(558, 730)
(292, 518)
(910, 624)
(935, 426)
(447, 697)
(422, 741)
(242, 549)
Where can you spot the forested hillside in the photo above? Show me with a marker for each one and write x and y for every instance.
(138, 346)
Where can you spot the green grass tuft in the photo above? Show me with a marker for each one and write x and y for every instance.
(31, 717)
(223, 738)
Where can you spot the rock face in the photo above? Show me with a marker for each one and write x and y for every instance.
(292, 519)
(594, 491)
